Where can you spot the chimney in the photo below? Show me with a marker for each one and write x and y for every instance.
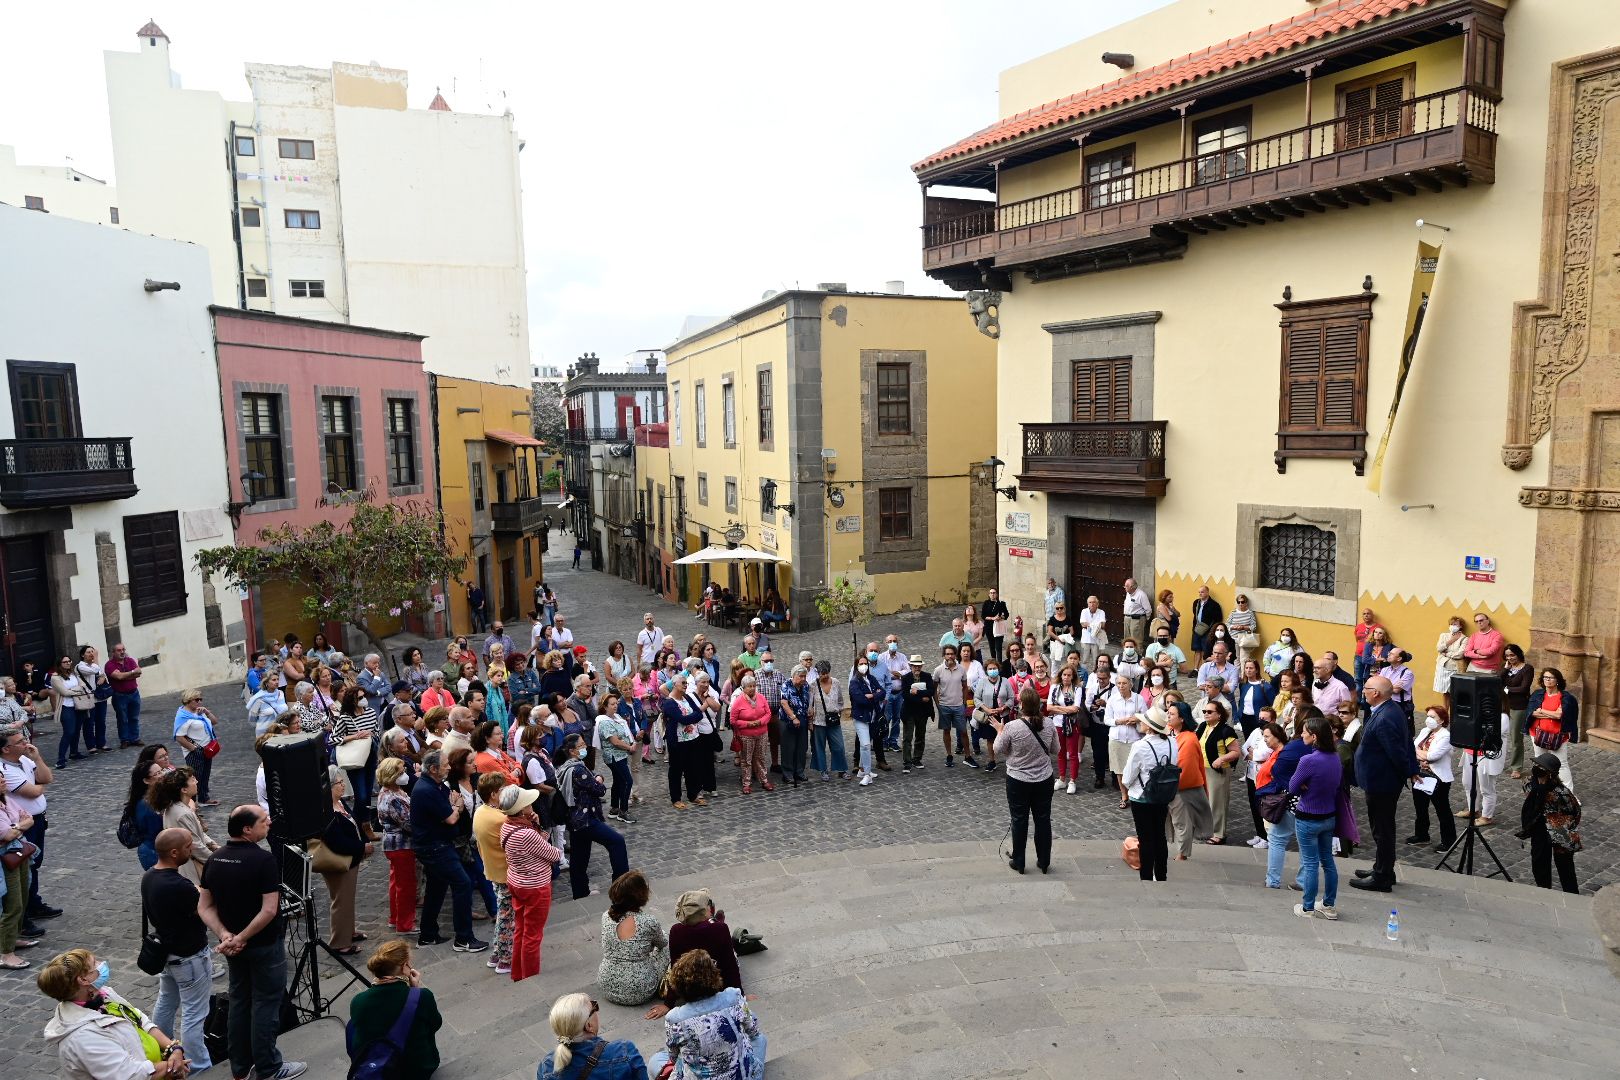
(652, 364)
(588, 364)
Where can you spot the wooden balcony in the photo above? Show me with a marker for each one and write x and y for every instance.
(36, 473)
(522, 517)
(1123, 459)
(1426, 143)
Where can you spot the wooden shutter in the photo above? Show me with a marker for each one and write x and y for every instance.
(1102, 390)
(1323, 387)
(1374, 109)
(157, 582)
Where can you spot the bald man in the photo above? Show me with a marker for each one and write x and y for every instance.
(1385, 762)
(169, 905)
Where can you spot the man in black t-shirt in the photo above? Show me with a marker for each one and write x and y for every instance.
(241, 889)
(169, 905)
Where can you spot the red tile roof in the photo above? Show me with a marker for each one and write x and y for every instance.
(510, 438)
(438, 104)
(1257, 44)
(151, 29)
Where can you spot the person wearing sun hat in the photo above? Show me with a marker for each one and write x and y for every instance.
(917, 693)
(1155, 748)
(530, 860)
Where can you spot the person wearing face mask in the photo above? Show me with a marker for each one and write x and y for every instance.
(1156, 684)
(582, 793)
(992, 703)
(1130, 663)
(1099, 684)
(1433, 745)
(1279, 653)
(1206, 612)
(1551, 820)
(771, 683)
(394, 812)
(894, 659)
(97, 1034)
(866, 694)
(1449, 660)
(1164, 650)
(879, 725)
(1253, 694)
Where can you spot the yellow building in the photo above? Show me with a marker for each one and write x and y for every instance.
(1218, 246)
(825, 402)
(490, 491)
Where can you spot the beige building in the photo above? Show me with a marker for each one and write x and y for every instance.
(844, 432)
(56, 189)
(323, 195)
(1268, 374)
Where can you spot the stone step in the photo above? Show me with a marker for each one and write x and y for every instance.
(934, 959)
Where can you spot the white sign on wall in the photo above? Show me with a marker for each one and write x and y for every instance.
(202, 524)
(851, 524)
(767, 539)
(1016, 522)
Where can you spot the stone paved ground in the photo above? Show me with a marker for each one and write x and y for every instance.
(95, 879)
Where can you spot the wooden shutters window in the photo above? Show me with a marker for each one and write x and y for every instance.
(894, 514)
(894, 399)
(1323, 385)
(1375, 108)
(1102, 390)
(157, 580)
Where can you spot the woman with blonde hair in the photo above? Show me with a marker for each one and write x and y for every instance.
(374, 1012)
(96, 1033)
(394, 813)
(576, 1022)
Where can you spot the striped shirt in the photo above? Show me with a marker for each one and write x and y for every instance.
(363, 724)
(529, 856)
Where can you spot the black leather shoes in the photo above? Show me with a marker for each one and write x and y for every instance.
(1370, 885)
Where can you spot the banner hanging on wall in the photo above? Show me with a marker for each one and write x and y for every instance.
(1424, 272)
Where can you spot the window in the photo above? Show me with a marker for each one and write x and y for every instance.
(766, 431)
(258, 287)
(1373, 109)
(1102, 390)
(1110, 177)
(731, 495)
(246, 147)
(1220, 144)
(894, 514)
(301, 149)
(528, 557)
(478, 485)
(337, 435)
(112, 214)
(522, 476)
(1298, 558)
(44, 400)
(313, 290)
(680, 506)
(1323, 407)
(894, 399)
(250, 217)
(33, 202)
(703, 489)
(401, 442)
(675, 412)
(302, 219)
(261, 434)
(700, 400)
(728, 413)
(157, 577)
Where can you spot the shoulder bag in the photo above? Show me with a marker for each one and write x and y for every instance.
(354, 754)
(18, 853)
(323, 860)
(832, 719)
(384, 1057)
(153, 956)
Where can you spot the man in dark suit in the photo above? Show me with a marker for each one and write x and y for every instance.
(1385, 761)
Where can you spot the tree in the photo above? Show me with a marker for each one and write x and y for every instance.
(377, 564)
(850, 601)
(549, 414)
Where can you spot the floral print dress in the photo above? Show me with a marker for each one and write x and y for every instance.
(632, 970)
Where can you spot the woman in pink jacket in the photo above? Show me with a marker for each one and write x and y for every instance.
(750, 720)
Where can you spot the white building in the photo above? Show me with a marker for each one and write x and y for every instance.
(109, 452)
(323, 196)
(56, 189)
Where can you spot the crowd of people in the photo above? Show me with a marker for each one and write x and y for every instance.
(484, 777)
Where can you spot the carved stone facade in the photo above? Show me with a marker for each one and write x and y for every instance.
(1566, 384)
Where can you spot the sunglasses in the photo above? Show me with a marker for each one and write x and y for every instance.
(595, 1008)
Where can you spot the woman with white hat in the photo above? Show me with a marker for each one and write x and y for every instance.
(1153, 749)
(530, 860)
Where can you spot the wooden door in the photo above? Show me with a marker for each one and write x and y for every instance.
(1100, 559)
(509, 590)
(28, 633)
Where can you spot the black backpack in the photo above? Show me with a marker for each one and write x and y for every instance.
(1163, 781)
(128, 834)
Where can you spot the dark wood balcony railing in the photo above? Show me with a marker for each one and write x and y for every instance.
(1439, 138)
(64, 472)
(585, 435)
(1124, 458)
(518, 518)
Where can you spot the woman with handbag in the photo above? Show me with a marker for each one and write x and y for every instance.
(194, 731)
(15, 853)
(375, 1011)
(73, 703)
(1028, 745)
(1315, 789)
(827, 752)
(1244, 626)
(337, 859)
(355, 735)
(1449, 656)
(94, 676)
(581, 1050)
(463, 777)
(1553, 719)
(1272, 791)
(174, 797)
(1065, 703)
(750, 721)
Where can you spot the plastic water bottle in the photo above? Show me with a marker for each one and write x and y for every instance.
(1392, 929)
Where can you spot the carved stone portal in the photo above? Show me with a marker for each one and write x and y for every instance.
(1566, 384)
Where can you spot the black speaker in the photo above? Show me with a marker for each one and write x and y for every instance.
(1476, 711)
(296, 785)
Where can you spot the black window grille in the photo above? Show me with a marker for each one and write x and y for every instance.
(1298, 558)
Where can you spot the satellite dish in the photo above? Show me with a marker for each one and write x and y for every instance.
(767, 294)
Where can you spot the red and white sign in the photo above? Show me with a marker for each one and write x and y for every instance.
(1476, 575)
(1021, 553)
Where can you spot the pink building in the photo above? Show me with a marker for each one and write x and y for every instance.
(316, 413)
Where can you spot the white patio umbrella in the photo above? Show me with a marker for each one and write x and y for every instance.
(714, 553)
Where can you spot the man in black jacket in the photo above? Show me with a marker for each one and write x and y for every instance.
(1385, 761)
(917, 708)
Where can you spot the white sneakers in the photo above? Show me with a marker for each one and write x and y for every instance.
(1071, 787)
(866, 780)
(1257, 841)
(1320, 911)
(1057, 785)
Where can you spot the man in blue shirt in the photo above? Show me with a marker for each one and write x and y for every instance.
(1385, 761)
(435, 810)
(795, 724)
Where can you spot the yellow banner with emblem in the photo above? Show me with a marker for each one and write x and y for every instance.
(1424, 271)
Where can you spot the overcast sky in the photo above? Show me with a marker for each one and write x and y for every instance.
(682, 157)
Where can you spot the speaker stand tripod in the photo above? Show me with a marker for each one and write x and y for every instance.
(306, 978)
(1472, 833)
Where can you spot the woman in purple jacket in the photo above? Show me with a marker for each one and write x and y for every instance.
(1316, 784)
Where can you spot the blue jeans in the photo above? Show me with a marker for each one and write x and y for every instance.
(258, 983)
(827, 753)
(185, 986)
(480, 881)
(69, 743)
(444, 872)
(1277, 839)
(863, 740)
(623, 782)
(892, 706)
(1316, 849)
(579, 855)
(127, 708)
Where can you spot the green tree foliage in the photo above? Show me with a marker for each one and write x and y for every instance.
(549, 415)
(851, 601)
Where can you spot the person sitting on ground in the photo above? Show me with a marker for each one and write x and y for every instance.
(373, 1012)
(581, 1050)
(712, 1034)
(701, 928)
(635, 949)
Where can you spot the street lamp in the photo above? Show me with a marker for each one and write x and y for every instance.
(234, 509)
(995, 465)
